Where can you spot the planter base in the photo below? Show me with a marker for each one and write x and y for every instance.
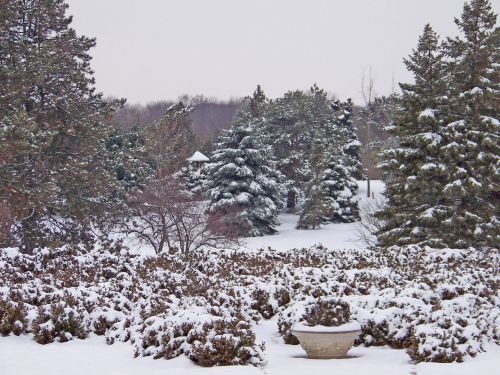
(326, 345)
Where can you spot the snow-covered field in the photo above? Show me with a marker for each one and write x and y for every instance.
(332, 236)
(22, 356)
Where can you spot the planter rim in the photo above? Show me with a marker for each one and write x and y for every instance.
(350, 327)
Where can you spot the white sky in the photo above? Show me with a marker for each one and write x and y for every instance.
(159, 49)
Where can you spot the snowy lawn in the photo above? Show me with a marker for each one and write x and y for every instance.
(332, 236)
(22, 356)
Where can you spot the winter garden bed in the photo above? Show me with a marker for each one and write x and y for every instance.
(439, 305)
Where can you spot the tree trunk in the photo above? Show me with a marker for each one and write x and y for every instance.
(291, 200)
(29, 238)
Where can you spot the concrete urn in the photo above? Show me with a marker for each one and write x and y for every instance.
(322, 342)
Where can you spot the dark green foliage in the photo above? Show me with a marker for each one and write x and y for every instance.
(415, 171)
(473, 137)
(443, 178)
(129, 159)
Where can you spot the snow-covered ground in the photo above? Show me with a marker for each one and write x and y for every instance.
(22, 356)
(332, 236)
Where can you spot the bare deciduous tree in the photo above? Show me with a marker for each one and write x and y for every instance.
(369, 225)
(165, 216)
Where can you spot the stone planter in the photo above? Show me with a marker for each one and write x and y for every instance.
(322, 342)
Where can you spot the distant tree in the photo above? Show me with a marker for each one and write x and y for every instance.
(330, 194)
(166, 217)
(346, 136)
(243, 184)
(315, 208)
(170, 142)
(53, 126)
(289, 129)
(128, 158)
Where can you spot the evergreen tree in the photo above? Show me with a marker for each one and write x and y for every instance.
(415, 170)
(289, 129)
(170, 141)
(128, 158)
(242, 181)
(339, 187)
(315, 207)
(193, 179)
(351, 145)
(257, 104)
(473, 138)
(53, 125)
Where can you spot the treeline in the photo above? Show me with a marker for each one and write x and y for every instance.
(210, 116)
(68, 172)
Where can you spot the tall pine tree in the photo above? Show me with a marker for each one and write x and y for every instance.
(53, 125)
(473, 138)
(415, 170)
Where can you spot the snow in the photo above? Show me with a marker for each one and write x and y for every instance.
(198, 157)
(351, 326)
(20, 355)
(333, 236)
(426, 113)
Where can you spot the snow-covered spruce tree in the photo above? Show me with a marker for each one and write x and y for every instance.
(473, 137)
(338, 186)
(193, 179)
(315, 207)
(330, 194)
(351, 144)
(288, 128)
(242, 181)
(53, 125)
(414, 170)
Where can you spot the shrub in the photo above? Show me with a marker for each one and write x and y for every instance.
(59, 321)
(225, 342)
(12, 318)
(262, 304)
(450, 334)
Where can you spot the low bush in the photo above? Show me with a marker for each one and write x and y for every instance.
(225, 342)
(12, 318)
(58, 321)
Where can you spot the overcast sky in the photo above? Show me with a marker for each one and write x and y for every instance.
(159, 49)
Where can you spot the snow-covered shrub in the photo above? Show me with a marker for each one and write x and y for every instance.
(103, 319)
(225, 342)
(391, 322)
(12, 318)
(157, 303)
(330, 312)
(458, 328)
(58, 321)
